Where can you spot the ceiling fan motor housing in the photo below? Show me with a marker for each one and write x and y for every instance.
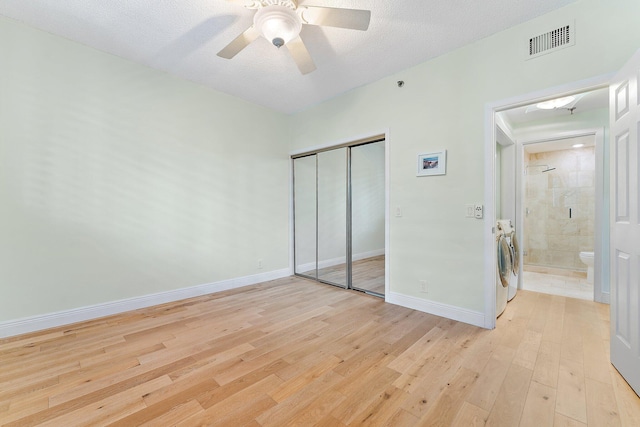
(257, 4)
(278, 24)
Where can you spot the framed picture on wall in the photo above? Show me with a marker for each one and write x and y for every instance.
(432, 163)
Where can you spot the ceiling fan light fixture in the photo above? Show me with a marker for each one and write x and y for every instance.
(555, 103)
(278, 24)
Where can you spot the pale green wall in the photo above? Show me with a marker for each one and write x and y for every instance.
(118, 181)
(442, 106)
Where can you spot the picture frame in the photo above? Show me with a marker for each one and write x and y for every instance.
(434, 163)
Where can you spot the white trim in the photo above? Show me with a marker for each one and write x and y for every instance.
(489, 191)
(471, 317)
(81, 314)
(363, 136)
(292, 224)
(387, 216)
(489, 221)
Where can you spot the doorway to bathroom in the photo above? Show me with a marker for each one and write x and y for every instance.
(559, 206)
(561, 209)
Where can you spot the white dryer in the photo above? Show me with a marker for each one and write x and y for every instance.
(504, 271)
(506, 228)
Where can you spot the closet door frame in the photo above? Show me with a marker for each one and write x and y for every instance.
(349, 212)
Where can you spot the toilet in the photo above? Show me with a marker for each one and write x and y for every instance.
(587, 258)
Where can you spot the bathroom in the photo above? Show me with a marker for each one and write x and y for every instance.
(559, 217)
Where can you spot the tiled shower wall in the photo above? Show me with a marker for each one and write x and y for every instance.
(554, 236)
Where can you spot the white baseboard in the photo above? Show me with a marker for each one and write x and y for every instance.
(339, 260)
(81, 314)
(605, 298)
(471, 317)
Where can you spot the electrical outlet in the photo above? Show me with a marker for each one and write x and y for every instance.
(479, 211)
(423, 286)
(259, 264)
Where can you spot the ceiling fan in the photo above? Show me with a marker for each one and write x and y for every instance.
(280, 22)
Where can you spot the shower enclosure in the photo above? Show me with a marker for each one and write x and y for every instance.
(559, 208)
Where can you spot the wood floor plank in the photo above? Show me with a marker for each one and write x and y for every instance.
(626, 399)
(245, 405)
(478, 356)
(424, 391)
(382, 409)
(111, 408)
(471, 416)
(318, 409)
(175, 415)
(450, 401)
(408, 358)
(539, 408)
(571, 398)
(402, 418)
(510, 401)
(287, 409)
(483, 394)
(602, 408)
(564, 421)
(215, 395)
(361, 392)
(547, 364)
(295, 352)
(595, 356)
(21, 408)
(305, 376)
(555, 320)
(528, 349)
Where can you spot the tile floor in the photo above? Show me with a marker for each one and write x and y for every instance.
(566, 286)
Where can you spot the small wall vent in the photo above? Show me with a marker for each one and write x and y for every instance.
(551, 41)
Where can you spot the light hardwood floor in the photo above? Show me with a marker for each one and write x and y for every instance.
(296, 352)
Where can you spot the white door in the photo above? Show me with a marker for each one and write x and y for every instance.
(625, 223)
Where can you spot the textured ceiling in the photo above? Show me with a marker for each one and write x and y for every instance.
(183, 37)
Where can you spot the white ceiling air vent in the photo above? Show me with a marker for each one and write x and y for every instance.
(559, 38)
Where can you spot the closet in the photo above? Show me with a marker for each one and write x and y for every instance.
(339, 215)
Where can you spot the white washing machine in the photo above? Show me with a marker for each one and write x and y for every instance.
(504, 271)
(506, 228)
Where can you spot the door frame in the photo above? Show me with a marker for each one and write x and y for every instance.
(491, 109)
(344, 142)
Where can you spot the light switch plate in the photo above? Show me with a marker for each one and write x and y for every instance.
(470, 211)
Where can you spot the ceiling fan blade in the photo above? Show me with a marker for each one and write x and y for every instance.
(239, 43)
(301, 55)
(354, 19)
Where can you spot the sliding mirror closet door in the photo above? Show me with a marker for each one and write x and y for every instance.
(305, 204)
(368, 217)
(332, 216)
